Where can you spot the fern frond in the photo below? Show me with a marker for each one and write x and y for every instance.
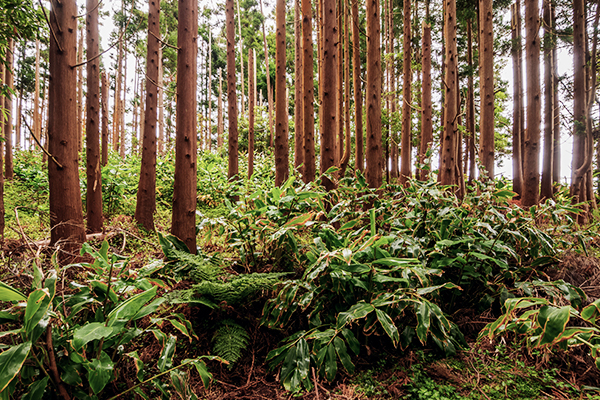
(229, 341)
(238, 287)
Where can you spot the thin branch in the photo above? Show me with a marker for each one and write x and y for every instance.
(92, 10)
(59, 165)
(163, 42)
(50, 26)
(112, 45)
(158, 86)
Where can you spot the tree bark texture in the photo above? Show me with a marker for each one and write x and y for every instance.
(531, 151)
(80, 121)
(347, 145)
(308, 98)
(184, 191)
(556, 157)
(66, 218)
(105, 118)
(426, 111)
(373, 94)
(548, 151)
(356, 76)
(406, 145)
(251, 103)
(37, 120)
(299, 90)
(448, 154)
(329, 86)
(518, 128)
(281, 109)
(269, 90)
(470, 106)
(92, 126)
(161, 104)
(486, 83)
(220, 128)
(8, 105)
(232, 111)
(146, 194)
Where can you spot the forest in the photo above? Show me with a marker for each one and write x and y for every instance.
(325, 199)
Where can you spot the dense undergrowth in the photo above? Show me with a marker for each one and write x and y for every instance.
(335, 277)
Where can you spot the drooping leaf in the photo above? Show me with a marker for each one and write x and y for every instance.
(8, 293)
(99, 372)
(11, 362)
(388, 325)
(553, 322)
(165, 361)
(340, 349)
(89, 332)
(36, 389)
(129, 308)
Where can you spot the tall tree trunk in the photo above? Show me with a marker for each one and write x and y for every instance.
(308, 98)
(209, 93)
(329, 86)
(241, 44)
(426, 113)
(548, 152)
(269, 90)
(298, 98)
(448, 155)
(105, 118)
(146, 197)
(556, 157)
(8, 105)
(405, 172)
(518, 128)
(37, 128)
(470, 105)
(161, 104)
(184, 192)
(2, 222)
(117, 104)
(80, 121)
(231, 92)
(281, 110)
(356, 76)
(373, 94)
(123, 105)
(486, 82)
(220, 113)
(531, 151)
(251, 101)
(339, 144)
(66, 218)
(347, 146)
(92, 126)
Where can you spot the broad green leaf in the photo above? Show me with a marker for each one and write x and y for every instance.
(423, 322)
(299, 220)
(131, 306)
(202, 371)
(36, 389)
(70, 374)
(357, 311)
(37, 305)
(591, 312)
(89, 332)
(388, 325)
(11, 362)
(330, 363)
(149, 309)
(181, 328)
(340, 349)
(553, 322)
(302, 358)
(8, 293)
(351, 340)
(99, 372)
(165, 361)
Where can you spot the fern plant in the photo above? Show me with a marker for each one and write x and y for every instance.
(229, 341)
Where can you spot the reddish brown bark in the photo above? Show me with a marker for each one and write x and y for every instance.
(220, 113)
(231, 92)
(251, 102)
(358, 115)
(269, 90)
(486, 83)
(426, 124)
(329, 86)
(373, 95)
(299, 90)
(470, 106)
(308, 146)
(66, 218)
(347, 146)
(281, 104)
(92, 126)
(405, 156)
(518, 128)
(546, 190)
(80, 121)
(8, 105)
(104, 118)
(184, 191)
(146, 197)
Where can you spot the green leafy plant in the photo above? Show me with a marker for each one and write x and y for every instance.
(229, 341)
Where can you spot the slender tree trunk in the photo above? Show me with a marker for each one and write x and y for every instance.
(486, 82)
(117, 104)
(548, 152)
(347, 145)
(308, 119)
(426, 113)
(92, 126)
(220, 113)
(146, 197)
(449, 135)
(8, 105)
(105, 118)
(251, 101)
(281, 111)
(298, 103)
(123, 105)
(518, 129)
(269, 90)
(405, 172)
(36, 98)
(556, 122)
(142, 121)
(470, 105)
(66, 219)
(339, 144)
(184, 192)
(373, 93)
(2, 211)
(329, 86)
(356, 76)
(161, 104)
(80, 121)
(231, 92)
(209, 93)
(531, 151)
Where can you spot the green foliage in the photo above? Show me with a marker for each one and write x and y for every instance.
(229, 341)
(99, 319)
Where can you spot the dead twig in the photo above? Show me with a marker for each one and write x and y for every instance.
(53, 368)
